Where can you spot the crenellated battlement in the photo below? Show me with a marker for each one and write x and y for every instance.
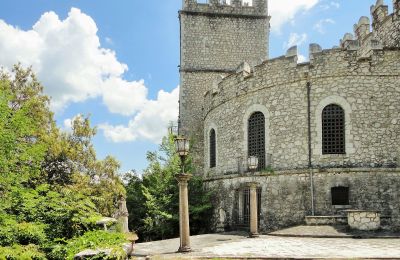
(385, 30)
(225, 7)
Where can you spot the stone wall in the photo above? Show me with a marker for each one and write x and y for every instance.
(364, 220)
(367, 89)
(286, 195)
(215, 39)
(386, 28)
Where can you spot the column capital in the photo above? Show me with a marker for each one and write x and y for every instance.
(252, 185)
(183, 177)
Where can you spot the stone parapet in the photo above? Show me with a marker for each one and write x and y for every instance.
(221, 7)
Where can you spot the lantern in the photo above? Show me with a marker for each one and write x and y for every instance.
(182, 146)
(252, 162)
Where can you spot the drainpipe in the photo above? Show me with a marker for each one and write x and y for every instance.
(309, 148)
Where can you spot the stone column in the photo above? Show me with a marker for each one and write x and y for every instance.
(184, 229)
(253, 210)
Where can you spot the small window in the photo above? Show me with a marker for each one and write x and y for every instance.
(340, 196)
(213, 148)
(333, 130)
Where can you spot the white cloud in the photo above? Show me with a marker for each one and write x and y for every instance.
(73, 67)
(295, 40)
(331, 4)
(320, 25)
(157, 115)
(283, 11)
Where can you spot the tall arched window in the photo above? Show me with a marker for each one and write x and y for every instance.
(333, 130)
(213, 149)
(256, 138)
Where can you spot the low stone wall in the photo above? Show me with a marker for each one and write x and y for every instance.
(364, 220)
(286, 196)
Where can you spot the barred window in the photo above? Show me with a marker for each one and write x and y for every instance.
(213, 159)
(256, 138)
(333, 130)
(340, 195)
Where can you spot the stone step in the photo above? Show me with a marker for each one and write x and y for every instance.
(325, 220)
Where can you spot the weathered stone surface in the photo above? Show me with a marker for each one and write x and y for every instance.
(286, 195)
(362, 76)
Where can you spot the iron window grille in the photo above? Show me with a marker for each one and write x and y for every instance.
(256, 138)
(340, 195)
(213, 152)
(333, 130)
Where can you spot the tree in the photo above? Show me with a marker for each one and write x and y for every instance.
(52, 186)
(157, 194)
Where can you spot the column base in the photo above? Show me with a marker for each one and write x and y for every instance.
(184, 249)
(220, 229)
(254, 235)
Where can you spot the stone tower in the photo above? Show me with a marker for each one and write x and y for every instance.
(216, 38)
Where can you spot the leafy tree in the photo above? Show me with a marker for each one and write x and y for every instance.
(153, 200)
(52, 186)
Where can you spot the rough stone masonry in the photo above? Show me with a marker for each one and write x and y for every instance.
(226, 77)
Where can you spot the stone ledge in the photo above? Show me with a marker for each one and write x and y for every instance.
(302, 171)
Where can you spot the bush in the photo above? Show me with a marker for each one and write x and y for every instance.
(7, 230)
(90, 240)
(18, 252)
(30, 233)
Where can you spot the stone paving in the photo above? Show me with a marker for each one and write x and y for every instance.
(233, 245)
(340, 231)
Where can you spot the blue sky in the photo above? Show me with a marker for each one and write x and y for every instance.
(117, 60)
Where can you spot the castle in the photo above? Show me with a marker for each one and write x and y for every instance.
(326, 132)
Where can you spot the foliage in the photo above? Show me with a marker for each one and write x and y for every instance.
(153, 200)
(52, 186)
(91, 240)
(17, 252)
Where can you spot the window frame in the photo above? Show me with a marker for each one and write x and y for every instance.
(212, 145)
(254, 149)
(333, 123)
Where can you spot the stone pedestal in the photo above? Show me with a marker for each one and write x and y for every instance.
(221, 223)
(184, 229)
(253, 210)
(365, 220)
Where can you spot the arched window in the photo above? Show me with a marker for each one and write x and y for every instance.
(333, 130)
(213, 149)
(256, 138)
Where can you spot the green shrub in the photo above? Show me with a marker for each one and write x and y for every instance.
(91, 240)
(17, 252)
(30, 233)
(8, 227)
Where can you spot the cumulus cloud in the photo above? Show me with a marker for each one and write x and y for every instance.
(320, 25)
(295, 40)
(73, 67)
(283, 11)
(157, 115)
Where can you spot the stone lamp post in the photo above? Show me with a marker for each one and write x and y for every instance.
(182, 148)
(253, 164)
